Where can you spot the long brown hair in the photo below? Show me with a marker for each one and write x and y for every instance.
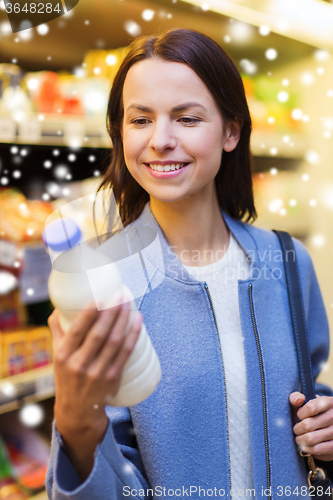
(215, 68)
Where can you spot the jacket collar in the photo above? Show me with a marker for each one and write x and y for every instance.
(172, 267)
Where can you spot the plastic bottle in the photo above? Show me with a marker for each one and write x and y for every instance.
(80, 275)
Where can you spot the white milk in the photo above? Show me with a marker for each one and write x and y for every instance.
(73, 285)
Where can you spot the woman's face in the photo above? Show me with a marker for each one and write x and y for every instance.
(171, 119)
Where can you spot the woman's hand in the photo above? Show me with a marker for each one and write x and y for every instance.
(314, 429)
(88, 365)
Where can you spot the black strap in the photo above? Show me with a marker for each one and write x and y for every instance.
(321, 483)
(297, 314)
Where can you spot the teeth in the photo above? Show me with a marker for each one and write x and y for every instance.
(166, 168)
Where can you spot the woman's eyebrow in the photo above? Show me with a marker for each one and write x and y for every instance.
(180, 107)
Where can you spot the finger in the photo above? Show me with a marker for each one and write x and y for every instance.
(315, 406)
(111, 321)
(319, 450)
(311, 424)
(112, 344)
(325, 458)
(55, 328)
(296, 399)
(126, 349)
(316, 437)
(81, 324)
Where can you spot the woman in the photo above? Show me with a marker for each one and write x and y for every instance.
(220, 421)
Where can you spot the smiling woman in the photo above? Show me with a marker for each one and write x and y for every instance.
(172, 132)
(222, 419)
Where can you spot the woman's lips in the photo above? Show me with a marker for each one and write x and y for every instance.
(171, 173)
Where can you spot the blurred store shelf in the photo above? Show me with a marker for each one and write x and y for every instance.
(27, 387)
(54, 130)
(288, 145)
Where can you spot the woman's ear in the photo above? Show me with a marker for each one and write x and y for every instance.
(233, 133)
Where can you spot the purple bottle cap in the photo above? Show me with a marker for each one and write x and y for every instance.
(62, 234)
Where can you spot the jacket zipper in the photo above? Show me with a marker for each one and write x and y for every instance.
(225, 385)
(262, 390)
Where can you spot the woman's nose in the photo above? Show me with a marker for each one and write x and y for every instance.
(162, 137)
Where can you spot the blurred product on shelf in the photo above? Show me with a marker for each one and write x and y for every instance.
(22, 256)
(13, 313)
(281, 200)
(39, 347)
(9, 489)
(14, 353)
(104, 63)
(48, 92)
(24, 455)
(25, 349)
(21, 220)
(10, 75)
(13, 95)
(51, 92)
(271, 105)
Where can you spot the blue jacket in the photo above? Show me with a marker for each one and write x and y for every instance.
(176, 441)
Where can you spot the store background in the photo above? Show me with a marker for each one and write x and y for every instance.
(53, 148)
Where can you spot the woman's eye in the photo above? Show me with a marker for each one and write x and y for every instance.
(140, 121)
(189, 120)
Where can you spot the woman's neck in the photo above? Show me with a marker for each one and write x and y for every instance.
(196, 233)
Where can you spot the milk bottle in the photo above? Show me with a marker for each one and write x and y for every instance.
(73, 286)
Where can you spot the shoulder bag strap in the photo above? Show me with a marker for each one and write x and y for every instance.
(316, 476)
(297, 314)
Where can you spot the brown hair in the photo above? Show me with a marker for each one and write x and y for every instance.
(215, 68)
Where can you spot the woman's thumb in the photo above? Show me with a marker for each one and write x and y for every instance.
(56, 331)
(296, 399)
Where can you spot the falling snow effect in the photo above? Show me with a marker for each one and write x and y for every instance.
(128, 468)
(148, 14)
(271, 54)
(8, 389)
(132, 28)
(43, 29)
(31, 415)
(280, 422)
(61, 172)
(249, 67)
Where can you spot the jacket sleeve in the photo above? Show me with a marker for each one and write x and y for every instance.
(118, 471)
(314, 309)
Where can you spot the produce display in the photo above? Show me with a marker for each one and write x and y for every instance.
(85, 92)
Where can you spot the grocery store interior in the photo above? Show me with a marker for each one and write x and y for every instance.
(54, 148)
